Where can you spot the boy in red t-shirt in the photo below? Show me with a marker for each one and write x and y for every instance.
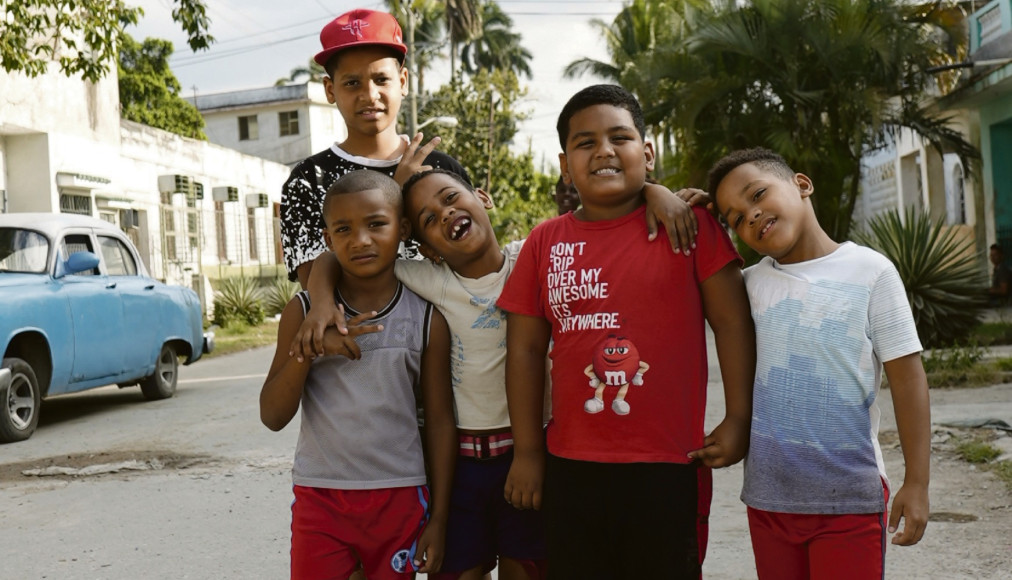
(629, 366)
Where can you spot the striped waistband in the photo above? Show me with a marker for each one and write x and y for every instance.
(485, 446)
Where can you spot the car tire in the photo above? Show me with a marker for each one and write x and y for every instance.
(21, 402)
(161, 384)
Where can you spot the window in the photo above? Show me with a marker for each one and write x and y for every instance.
(118, 260)
(74, 243)
(248, 128)
(71, 203)
(289, 123)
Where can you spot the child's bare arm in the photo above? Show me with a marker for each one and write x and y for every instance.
(674, 214)
(441, 441)
(526, 348)
(698, 197)
(308, 341)
(282, 390)
(726, 307)
(909, 387)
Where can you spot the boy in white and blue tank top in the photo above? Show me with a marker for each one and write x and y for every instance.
(359, 474)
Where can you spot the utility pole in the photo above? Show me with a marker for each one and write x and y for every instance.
(412, 74)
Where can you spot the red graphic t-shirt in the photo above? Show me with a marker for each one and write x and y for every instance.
(629, 365)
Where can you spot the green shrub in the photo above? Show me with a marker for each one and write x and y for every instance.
(278, 293)
(238, 300)
(957, 358)
(939, 272)
(977, 451)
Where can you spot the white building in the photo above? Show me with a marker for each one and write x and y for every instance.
(285, 124)
(64, 148)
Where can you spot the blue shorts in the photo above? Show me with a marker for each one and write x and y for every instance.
(481, 525)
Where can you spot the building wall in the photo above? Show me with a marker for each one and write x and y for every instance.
(320, 123)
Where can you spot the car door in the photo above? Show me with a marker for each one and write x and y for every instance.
(97, 315)
(141, 303)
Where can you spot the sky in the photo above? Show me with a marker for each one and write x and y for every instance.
(260, 41)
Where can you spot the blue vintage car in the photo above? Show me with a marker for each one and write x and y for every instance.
(78, 310)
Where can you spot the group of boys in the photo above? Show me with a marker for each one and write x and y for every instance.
(606, 474)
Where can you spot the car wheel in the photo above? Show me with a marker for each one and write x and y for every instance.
(161, 384)
(22, 399)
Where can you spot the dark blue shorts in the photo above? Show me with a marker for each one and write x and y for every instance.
(481, 525)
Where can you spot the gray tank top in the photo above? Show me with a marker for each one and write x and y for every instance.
(359, 426)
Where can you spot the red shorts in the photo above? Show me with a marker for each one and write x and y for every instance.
(335, 529)
(823, 546)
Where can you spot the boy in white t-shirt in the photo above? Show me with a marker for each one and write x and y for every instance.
(828, 317)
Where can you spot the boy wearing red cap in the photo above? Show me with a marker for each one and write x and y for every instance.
(363, 54)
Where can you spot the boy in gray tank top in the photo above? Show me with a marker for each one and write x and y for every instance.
(359, 475)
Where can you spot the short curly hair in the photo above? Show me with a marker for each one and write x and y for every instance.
(763, 158)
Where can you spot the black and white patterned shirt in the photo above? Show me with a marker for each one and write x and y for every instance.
(302, 198)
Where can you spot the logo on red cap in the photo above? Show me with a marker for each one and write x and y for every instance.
(355, 27)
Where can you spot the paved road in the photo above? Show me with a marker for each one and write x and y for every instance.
(219, 507)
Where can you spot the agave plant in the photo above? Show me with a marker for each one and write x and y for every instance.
(938, 269)
(238, 300)
(278, 293)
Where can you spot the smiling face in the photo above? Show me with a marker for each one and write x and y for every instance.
(616, 354)
(364, 230)
(367, 86)
(606, 160)
(450, 219)
(768, 212)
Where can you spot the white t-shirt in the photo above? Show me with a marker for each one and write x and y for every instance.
(823, 328)
(477, 334)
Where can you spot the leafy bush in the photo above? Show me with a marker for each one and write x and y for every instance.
(957, 358)
(278, 293)
(238, 300)
(939, 272)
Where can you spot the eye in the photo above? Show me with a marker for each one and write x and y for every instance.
(622, 349)
(342, 229)
(428, 219)
(377, 224)
(609, 351)
(451, 196)
(758, 193)
(736, 222)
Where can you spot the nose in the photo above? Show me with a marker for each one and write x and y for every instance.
(756, 212)
(605, 149)
(448, 214)
(362, 238)
(372, 91)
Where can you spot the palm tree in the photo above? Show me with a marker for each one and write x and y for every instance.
(633, 41)
(312, 71)
(463, 22)
(497, 47)
(820, 82)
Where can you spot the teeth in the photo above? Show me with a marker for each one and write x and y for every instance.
(455, 233)
(606, 171)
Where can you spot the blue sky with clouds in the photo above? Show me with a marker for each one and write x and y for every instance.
(260, 41)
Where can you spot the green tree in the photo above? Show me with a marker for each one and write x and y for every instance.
(487, 124)
(463, 24)
(312, 72)
(149, 92)
(820, 82)
(81, 35)
(497, 46)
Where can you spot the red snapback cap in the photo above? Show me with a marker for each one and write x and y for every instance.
(360, 28)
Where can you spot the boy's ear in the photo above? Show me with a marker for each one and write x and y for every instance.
(805, 185)
(564, 169)
(405, 86)
(328, 88)
(405, 229)
(326, 240)
(427, 251)
(648, 151)
(486, 199)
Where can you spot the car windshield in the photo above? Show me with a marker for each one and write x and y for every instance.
(23, 251)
